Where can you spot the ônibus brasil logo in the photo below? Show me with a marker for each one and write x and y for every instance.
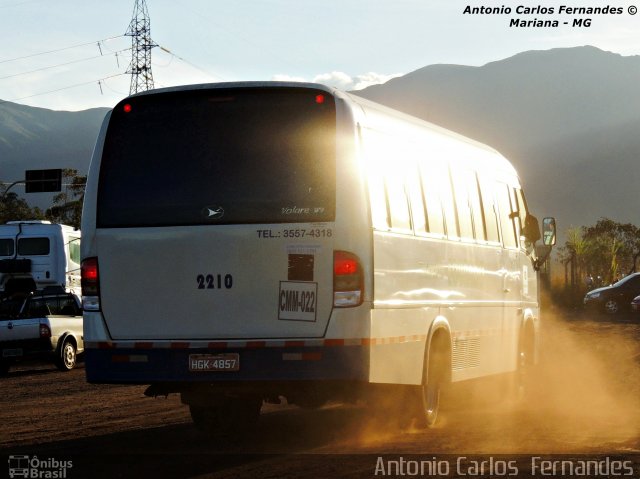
(32, 467)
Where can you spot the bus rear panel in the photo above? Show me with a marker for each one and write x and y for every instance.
(215, 239)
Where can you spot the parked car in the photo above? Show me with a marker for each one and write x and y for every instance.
(43, 325)
(615, 298)
(635, 304)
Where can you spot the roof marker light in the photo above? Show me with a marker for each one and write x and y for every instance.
(127, 108)
(320, 99)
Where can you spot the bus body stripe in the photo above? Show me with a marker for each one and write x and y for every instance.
(311, 343)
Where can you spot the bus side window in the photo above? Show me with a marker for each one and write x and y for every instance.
(521, 210)
(378, 201)
(391, 160)
(414, 190)
(463, 206)
(506, 223)
(449, 206)
(474, 203)
(434, 178)
(398, 203)
(489, 209)
(375, 166)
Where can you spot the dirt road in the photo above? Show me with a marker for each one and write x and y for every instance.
(587, 406)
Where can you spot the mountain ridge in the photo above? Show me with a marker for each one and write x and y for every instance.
(567, 118)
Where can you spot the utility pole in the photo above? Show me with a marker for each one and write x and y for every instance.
(141, 45)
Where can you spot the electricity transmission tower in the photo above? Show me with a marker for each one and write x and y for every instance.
(141, 44)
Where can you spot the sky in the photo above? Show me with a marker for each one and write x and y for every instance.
(73, 55)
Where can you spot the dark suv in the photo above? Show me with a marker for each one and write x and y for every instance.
(615, 298)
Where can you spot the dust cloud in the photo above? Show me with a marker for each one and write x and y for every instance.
(584, 398)
(588, 383)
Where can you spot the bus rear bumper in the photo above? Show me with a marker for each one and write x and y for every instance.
(141, 365)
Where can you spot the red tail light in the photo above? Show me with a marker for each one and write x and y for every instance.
(90, 276)
(90, 284)
(344, 264)
(45, 331)
(348, 280)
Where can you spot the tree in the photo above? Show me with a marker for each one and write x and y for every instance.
(607, 249)
(14, 208)
(67, 205)
(579, 249)
(619, 242)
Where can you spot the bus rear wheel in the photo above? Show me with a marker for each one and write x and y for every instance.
(525, 370)
(434, 384)
(431, 402)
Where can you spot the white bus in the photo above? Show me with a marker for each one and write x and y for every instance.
(248, 241)
(36, 254)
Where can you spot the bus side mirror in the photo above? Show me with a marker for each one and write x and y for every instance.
(549, 231)
(549, 239)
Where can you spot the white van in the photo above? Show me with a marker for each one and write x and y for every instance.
(248, 241)
(36, 254)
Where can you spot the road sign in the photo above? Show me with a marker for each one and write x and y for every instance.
(43, 181)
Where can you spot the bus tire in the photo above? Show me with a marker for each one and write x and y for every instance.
(523, 381)
(436, 373)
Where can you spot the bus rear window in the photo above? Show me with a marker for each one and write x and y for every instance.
(33, 246)
(219, 156)
(6, 247)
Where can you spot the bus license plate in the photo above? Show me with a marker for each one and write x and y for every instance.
(214, 362)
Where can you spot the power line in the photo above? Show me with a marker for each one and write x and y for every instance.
(63, 88)
(102, 83)
(60, 49)
(190, 63)
(60, 65)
